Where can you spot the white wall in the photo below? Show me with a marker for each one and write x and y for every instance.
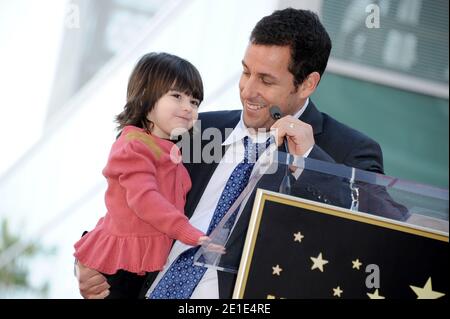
(29, 42)
(56, 192)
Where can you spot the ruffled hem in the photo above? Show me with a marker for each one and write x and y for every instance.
(108, 253)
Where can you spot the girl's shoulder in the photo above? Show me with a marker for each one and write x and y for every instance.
(137, 139)
(140, 140)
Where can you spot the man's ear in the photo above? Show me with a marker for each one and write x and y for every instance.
(309, 85)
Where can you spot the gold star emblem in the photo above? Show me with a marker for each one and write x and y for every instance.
(356, 264)
(375, 295)
(277, 270)
(298, 237)
(318, 262)
(337, 292)
(427, 291)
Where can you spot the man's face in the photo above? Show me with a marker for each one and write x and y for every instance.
(266, 81)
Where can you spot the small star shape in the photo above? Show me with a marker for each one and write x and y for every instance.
(277, 270)
(337, 292)
(427, 291)
(298, 237)
(375, 295)
(356, 264)
(318, 262)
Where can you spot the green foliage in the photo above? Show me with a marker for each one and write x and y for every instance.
(15, 274)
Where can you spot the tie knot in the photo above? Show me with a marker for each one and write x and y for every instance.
(253, 150)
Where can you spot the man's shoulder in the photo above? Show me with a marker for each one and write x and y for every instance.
(349, 146)
(345, 134)
(220, 118)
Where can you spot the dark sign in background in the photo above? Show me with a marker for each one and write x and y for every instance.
(322, 255)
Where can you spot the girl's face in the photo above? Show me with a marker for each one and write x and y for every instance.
(174, 113)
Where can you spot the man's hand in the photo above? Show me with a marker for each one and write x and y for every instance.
(299, 134)
(92, 284)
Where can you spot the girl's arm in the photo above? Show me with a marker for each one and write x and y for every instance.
(134, 163)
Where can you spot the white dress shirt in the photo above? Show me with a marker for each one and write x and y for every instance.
(208, 287)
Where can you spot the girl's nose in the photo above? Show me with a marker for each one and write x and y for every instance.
(187, 106)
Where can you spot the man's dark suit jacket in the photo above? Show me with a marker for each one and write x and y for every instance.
(334, 142)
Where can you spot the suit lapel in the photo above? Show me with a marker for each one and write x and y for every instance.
(199, 174)
(313, 117)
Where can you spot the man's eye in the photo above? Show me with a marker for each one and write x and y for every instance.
(266, 81)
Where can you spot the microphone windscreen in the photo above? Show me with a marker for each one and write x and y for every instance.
(275, 112)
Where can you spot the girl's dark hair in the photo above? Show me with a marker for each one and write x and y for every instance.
(153, 76)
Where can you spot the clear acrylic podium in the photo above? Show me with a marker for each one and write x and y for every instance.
(363, 193)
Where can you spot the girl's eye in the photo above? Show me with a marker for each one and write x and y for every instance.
(195, 102)
(176, 95)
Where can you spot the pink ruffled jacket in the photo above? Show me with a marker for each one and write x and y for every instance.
(145, 203)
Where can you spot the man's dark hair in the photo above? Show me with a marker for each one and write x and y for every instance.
(303, 32)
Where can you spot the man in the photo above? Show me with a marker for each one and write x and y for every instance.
(282, 65)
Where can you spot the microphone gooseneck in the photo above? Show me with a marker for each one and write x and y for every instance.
(276, 114)
(285, 186)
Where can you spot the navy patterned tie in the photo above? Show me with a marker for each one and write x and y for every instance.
(183, 276)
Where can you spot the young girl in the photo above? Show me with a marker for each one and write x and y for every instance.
(146, 190)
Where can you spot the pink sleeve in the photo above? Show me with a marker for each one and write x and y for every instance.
(135, 164)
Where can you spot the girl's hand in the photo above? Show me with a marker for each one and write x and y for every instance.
(205, 242)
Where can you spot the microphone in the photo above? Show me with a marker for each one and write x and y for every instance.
(285, 186)
(276, 114)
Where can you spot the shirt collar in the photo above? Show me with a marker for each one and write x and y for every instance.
(241, 131)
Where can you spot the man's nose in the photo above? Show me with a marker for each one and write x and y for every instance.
(248, 88)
